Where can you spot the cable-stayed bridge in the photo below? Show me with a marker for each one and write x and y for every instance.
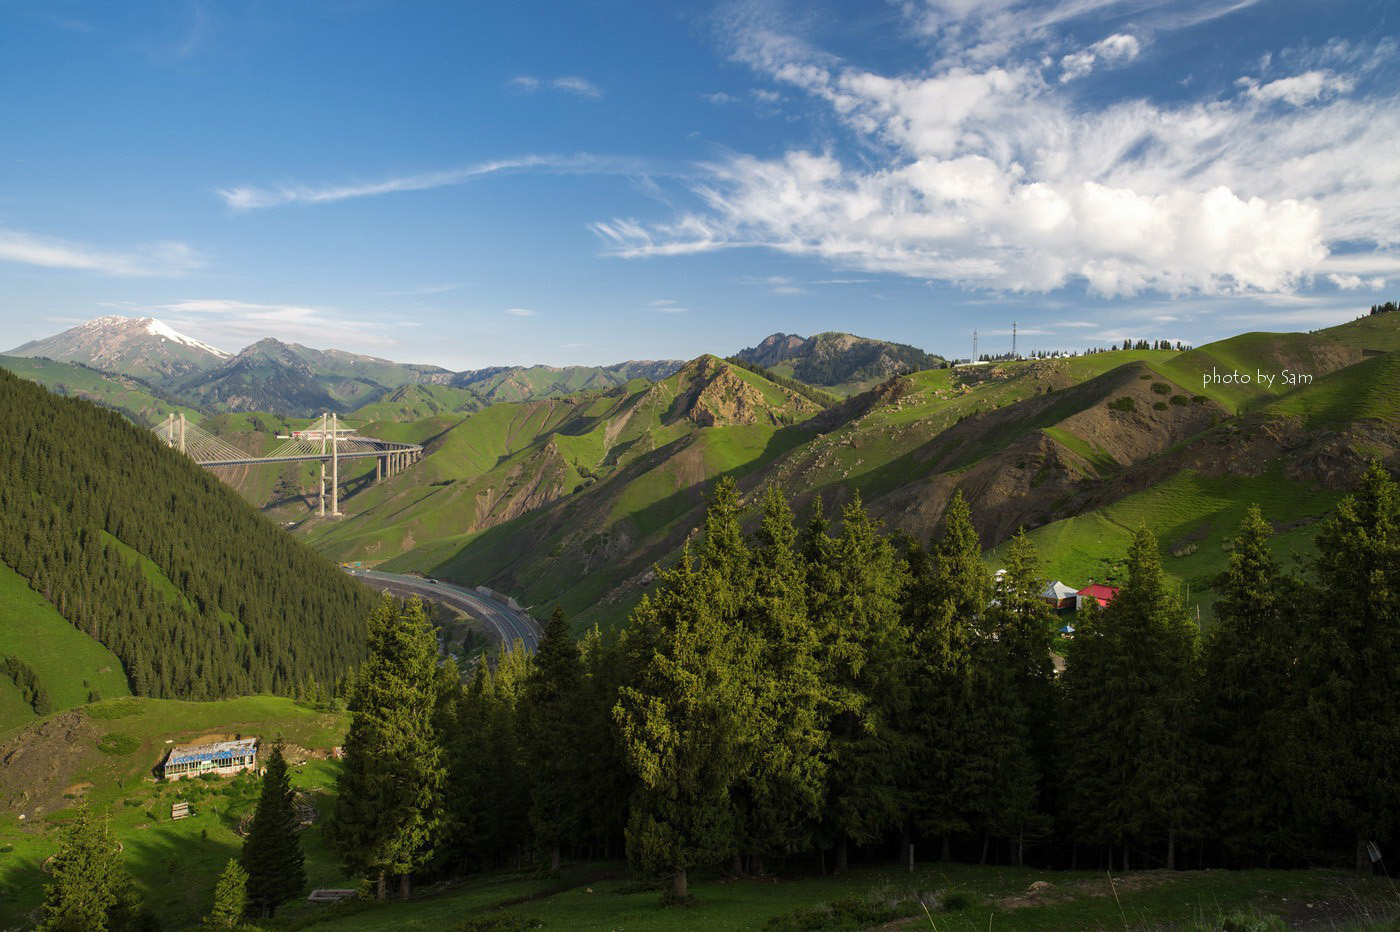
(326, 442)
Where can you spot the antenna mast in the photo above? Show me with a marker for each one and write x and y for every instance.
(974, 346)
(1013, 341)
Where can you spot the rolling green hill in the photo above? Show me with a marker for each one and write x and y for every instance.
(104, 753)
(73, 667)
(576, 499)
(634, 460)
(195, 593)
(138, 400)
(845, 363)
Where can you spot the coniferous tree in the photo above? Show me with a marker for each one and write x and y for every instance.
(1250, 661)
(389, 805)
(550, 728)
(89, 892)
(943, 607)
(272, 855)
(505, 768)
(1134, 769)
(784, 787)
(1352, 669)
(684, 725)
(853, 591)
(230, 897)
(607, 783)
(1015, 684)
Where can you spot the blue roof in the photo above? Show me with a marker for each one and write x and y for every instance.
(222, 751)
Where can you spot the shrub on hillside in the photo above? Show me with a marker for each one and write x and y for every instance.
(848, 912)
(117, 743)
(1179, 399)
(1161, 388)
(1125, 403)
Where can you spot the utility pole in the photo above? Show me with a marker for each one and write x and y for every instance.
(335, 465)
(321, 499)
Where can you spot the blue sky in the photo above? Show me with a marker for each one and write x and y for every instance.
(476, 184)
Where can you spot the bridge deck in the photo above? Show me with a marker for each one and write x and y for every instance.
(310, 458)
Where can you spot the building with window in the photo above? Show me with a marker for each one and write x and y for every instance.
(223, 757)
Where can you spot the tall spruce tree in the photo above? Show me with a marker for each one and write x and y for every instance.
(390, 804)
(1135, 773)
(685, 725)
(943, 608)
(1015, 684)
(607, 783)
(89, 891)
(551, 715)
(1251, 692)
(853, 590)
(272, 854)
(230, 898)
(784, 788)
(1352, 670)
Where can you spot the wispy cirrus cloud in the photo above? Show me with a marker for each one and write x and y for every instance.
(1115, 49)
(986, 171)
(258, 197)
(521, 312)
(232, 324)
(155, 260)
(569, 84)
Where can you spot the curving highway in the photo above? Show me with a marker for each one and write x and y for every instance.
(508, 623)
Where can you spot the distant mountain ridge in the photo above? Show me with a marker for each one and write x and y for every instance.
(562, 502)
(138, 346)
(299, 381)
(838, 360)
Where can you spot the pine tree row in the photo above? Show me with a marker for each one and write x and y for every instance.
(809, 693)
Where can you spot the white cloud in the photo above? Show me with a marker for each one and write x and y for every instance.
(1116, 49)
(152, 260)
(231, 324)
(720, 98)
(420, 291)
(569, 84)
(1353, 282)
(989, 175)
(521, 312)
(1074, 324)
(250, 197)
(1299, 89)
(576, 85)
(987, 30)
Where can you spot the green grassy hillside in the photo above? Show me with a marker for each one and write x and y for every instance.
(196, 593)
(417, 402)
(1368, 390)
(510, 459)
(576, 499)
(71, 665)
(1194, 517)
(104, 754)
(959, 897)
(138, 400)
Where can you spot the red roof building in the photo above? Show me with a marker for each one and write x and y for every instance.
(1098, 592)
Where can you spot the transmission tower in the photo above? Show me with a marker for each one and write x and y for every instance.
(1013, 340)
(974, 346)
